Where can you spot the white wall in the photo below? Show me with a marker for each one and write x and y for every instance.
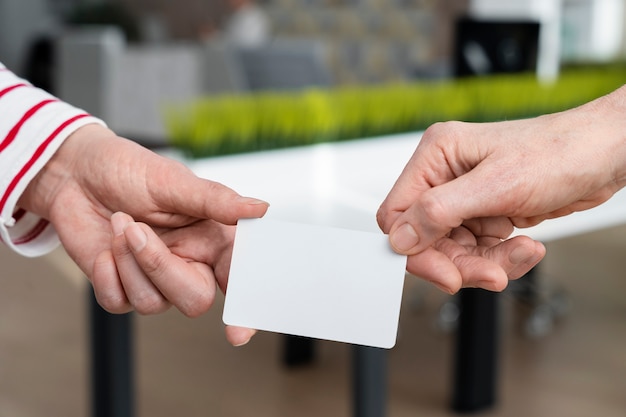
(546, 12)
(575, 30)
(127, 86)
(593, 30)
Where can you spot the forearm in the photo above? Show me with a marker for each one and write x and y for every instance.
(610, 111)
(33, 125)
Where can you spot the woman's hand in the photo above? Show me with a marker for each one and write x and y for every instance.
(145, 230)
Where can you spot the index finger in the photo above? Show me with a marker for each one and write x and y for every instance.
(190, 286)
(429, 166)
(402, 195)
(206, 199)
(176, 190)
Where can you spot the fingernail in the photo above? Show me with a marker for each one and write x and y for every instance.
(118, 223)
(490, 285)
(241, 336)
(252, 201)
(404, 238)
(243, 343)
(135, 237)
(445, 288)
(520, 255)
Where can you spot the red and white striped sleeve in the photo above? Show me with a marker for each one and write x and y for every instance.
(33, 125)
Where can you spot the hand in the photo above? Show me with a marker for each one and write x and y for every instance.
(468, 185)
(93, 190)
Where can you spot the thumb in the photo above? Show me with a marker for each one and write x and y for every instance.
(438, 210)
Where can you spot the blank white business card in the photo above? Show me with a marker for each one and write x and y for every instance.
(315, 281)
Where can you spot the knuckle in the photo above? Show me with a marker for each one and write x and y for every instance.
(442, 131)
(380, 219)
(120, 249)
(197, 305)
(434, 211)
(151, 303)
(155, 263)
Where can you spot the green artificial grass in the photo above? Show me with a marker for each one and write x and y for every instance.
(234, 123)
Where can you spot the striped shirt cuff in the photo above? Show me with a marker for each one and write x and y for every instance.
(33, 125)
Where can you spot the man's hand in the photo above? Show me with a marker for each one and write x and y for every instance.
(468, 185)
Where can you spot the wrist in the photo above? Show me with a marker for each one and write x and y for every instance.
(612, 114)
(59, 171)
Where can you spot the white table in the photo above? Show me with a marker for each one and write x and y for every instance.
(342, 184)
(339, 184)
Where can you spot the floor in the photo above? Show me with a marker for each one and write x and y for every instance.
(184, 367)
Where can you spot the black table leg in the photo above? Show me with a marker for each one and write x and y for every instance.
(298, 350)
(369, 383)
(111, 362)
(476, 351)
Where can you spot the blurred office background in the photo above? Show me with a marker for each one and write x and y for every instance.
(386, 38)
(172, 53)
(126, 60)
